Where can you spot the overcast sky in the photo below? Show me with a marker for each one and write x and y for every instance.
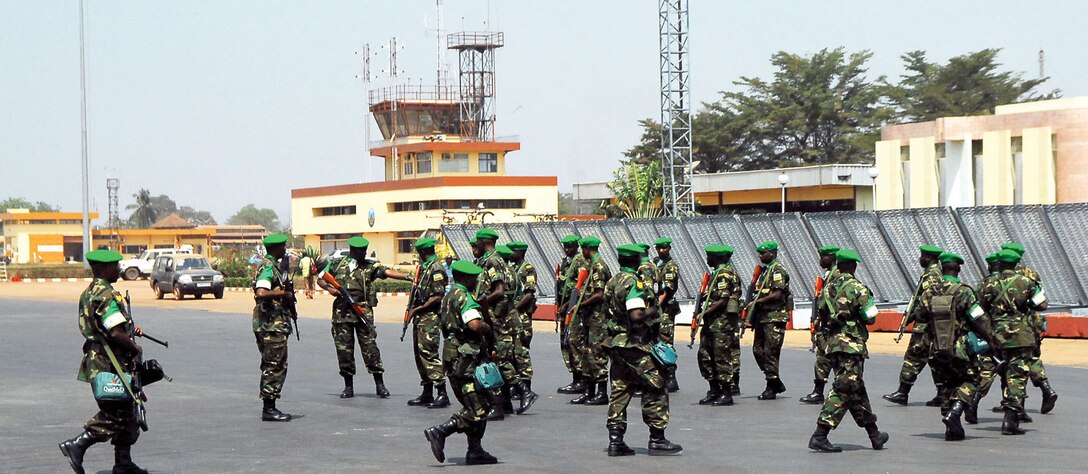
(220, 104)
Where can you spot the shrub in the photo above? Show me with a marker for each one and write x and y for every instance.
(238, 282)
(57, 270)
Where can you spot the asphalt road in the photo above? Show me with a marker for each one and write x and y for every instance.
(208, 419)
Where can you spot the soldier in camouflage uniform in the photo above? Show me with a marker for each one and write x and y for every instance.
(356, 274)
(591, 326)
(1009, 300)
(917, 354)
(632, 328)
(668, 273)
(272, 325)
(822, 367)
(719, 317)
(468, 342)
(768, 315)
(426, 331)
(524, 307)
(850, 308)
(987, 366)
(566, 277)
(105, 323)
(1037, 371)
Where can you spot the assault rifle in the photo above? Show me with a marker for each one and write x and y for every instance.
(559, 300)
(577, 295)
(128, 306)
(906, 319)
(143, 373)
(411, 300)
(750, 303)
(290, 302)
(697, 313)
(346, 299)
(814, 320)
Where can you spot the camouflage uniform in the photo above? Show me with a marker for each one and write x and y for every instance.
(594, 319)
(956, 369)
(347, 325)
(668, 274)
(461, 353)
(526, 278)
(734, 349)
(578, 342)
(987, 366)
(850, 309)
(917, 354)
(503, 321)
(1036, 370)
(822, 367)
(568, 274)
(271, 328)
(771, 318)
(1006, 299)
(633, 367)
(718, 332)
(101, 308)
(426, 333)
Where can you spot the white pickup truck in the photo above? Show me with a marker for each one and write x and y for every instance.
(140, 267)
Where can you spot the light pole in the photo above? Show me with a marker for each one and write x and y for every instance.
(873, 173)
(783, 179)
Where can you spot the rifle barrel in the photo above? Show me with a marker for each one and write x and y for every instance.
(156, 340)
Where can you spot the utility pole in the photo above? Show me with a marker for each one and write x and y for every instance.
(83, 129)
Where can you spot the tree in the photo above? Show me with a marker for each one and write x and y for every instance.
(969, 84)
(21, 203)
(144, 213)
(637, 190)
(164, 206)
(250, 214)
(196, 217)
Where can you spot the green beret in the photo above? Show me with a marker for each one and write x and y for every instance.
(991, 258)
(275, 239)
(718, 250)
(569, 239)
(847, 255)
(590, 241)
(767, 246)
(466, 267)
(424, 243)
(629, 250)
(472, 240)
(1008, 256)
(645, 247)
(104, 256)
(1015, 247)
(931, 250)
(518, 245)
(487, 233)
(504, 251)
(947, 257)
(358, 242)
(827, 250)
(663, 242)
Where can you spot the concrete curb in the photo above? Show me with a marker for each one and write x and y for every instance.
(316, 292)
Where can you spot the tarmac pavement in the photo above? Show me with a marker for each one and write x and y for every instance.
(208, 419)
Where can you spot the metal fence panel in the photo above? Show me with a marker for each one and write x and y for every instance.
(939, 227)
(1070, 223)
(702, 233)
(830, 230)
(607, 250)
(889, 282)
(455, 236)
(802, 250)
(691, 260)
(545, 273)
(760, 228)
(745, 257)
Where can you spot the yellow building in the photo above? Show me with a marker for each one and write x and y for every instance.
(1030, 153)
(42, 237)
(170, 232)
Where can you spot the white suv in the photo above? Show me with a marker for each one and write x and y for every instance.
(140, 267)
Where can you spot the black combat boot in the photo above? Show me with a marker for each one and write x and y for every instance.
(769, 392)
(590, 392)
(122, 461)
(671, 384)
(616, 446)
(970, 415)
(938, 399)
(528, 397)
(437, 434)
(601, 398)
(379, 386)
(819, 441)
(817, 395)
(876, 437)
(1023, 416)
(578, 385)
(659, 446)
(75, 448)
(442, 400)
(425, 398)
(495, 413)
(349, 387)
(899, 396)
(271, 413)
(734, 386)
(1050, 397)
(476, 454)
(953, 429)
(504, 397)
(725, 399)
(712, 394)
(1011, 424)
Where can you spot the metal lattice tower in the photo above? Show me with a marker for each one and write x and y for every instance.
(112, 186)
(677, 197)
(476, 78)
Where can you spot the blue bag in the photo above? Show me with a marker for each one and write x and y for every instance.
(977, 345)
(488, 376)
(108, 387)
(663, 353)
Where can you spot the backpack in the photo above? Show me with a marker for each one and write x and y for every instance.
(944, 321)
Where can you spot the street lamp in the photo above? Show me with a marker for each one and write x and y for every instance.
(783, 179)
(873, 173)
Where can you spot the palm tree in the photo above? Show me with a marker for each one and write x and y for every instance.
(144, 214)
(637, 189)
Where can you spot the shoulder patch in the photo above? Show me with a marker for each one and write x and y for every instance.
(777, 276)
(439, 276)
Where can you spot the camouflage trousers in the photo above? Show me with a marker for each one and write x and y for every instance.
(597, 358)
(734, 354)
(578, 343)
(716, 340)
(767, 347)
(273, 348)
(425, 338)
(344, 336)
(634, 369)
(987, 372)
(564, 347)
(1035, 366)
(1016, 376)
(960, 376)
(822, 368)
(668, 328)
(522, 356)
(115, 420)
(915, 359)
(506, 348)
(471, 419)
(847, 392)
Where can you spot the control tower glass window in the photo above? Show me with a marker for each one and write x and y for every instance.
(423, 163)
(489, 162)
(455, 163)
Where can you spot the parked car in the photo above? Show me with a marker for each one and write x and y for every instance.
(185, 274)
(140, 267)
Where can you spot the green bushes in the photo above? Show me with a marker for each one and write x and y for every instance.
(238, 282)
(58, 270)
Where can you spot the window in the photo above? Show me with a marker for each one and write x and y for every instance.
(334, 211)
(423, 163)
(406, 241)
(489, 162)
(407, 167)
(456, 163)
(456, 204)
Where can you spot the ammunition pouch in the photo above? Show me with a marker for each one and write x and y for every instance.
(732, 306)
(943, 324)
